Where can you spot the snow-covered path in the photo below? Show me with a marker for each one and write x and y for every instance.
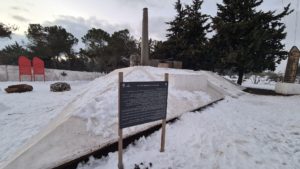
(251, 132)
(23, 115)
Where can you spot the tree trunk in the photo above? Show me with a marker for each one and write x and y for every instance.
(240, 79)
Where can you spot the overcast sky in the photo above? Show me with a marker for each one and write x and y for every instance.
(77, 16)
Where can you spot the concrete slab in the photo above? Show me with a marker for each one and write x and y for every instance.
(287, 88)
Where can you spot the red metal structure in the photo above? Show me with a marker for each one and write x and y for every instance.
(24, 67)
(38, 67)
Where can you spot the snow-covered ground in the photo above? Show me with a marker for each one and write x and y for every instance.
(28, 116)
(239, 132)
(261, 85)
(251, 132)
(23, 115)
(261, 82)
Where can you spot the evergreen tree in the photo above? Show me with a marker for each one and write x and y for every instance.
(194, 37)
(176, 26)
(108, 52)
(96, 41)
(120, 47)
(187, 37)
(248, 40)
(5, 31)
(51, 43)
(173, 47)
(10, 54)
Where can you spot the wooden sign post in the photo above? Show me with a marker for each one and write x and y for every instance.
(139, 103)
(163, 126)
(120, 131)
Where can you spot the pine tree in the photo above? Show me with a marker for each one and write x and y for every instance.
(176, 26)
(9, 54)
(194, 38)
(6, 31)
(50, 43)
(108, 52)
(248, 40)
(174, 45)
(187, 37)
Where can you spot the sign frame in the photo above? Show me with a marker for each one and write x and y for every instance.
(142, 102)
(120, 130)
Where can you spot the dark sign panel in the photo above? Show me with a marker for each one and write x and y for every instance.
(142, 102)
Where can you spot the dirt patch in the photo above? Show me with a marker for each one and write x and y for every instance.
(263, 92)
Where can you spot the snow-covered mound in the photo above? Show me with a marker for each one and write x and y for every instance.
(89, 121)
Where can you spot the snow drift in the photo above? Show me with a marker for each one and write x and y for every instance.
(89, 121)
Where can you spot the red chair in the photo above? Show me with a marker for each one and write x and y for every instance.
(24, 67)
(38, 67)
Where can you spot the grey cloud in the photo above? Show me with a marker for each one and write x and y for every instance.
(293, 35)
(79, 26)
(21, 39)
(20, 18)
(17, 8)
(158, 27)
(145, 3)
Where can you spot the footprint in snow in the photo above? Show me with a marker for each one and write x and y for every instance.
(295, 133)
(241, 141)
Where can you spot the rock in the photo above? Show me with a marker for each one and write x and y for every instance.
(20, 88)
(60, 87)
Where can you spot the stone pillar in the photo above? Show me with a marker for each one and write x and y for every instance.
(292, 65)
(145, 39)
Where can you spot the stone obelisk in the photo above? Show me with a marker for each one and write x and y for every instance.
(145, 39)
(292, 65)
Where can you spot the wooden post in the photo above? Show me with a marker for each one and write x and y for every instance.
(6, 73)
(163, 127)
(120, 131)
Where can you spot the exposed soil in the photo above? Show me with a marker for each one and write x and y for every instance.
(263, 92)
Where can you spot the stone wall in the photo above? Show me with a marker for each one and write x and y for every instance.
(166, 64)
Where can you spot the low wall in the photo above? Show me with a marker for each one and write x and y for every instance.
(287, 88)
(11, 73)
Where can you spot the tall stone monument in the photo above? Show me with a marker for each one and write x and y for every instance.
(292, 65)
(145, 39)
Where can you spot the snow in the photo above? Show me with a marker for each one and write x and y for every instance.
(98, 105)
(261, 82)
(194, 95)
(252, 131)
(24, 115)
(261, 85)
(242, 131)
